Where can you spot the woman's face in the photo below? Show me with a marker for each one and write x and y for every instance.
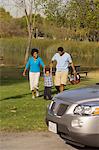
(35, 54)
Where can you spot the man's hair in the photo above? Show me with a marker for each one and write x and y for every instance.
(60, 49)
(34, 50)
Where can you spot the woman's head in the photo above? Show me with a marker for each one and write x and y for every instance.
(34, 52)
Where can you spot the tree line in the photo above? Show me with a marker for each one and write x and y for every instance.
(77, 19)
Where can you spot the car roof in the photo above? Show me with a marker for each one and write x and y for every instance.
(79, 94)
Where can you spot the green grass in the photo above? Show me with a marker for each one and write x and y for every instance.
(18, 112)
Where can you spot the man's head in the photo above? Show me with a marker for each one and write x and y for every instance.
(60, 50)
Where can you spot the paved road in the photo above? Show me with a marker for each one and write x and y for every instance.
(33, 141)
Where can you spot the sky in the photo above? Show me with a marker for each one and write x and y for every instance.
(10, 7)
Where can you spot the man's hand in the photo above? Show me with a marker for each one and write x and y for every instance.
(51, 65)
(75, 73)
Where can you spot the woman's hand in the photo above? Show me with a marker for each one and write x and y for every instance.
(24, 74)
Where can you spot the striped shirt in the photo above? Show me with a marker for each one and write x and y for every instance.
(48, 82)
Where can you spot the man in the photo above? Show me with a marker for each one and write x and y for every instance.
(63, 60)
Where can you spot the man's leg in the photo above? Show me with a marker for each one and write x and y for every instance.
(57, 81)
(64, 77)
(57, 88)
(61, 87)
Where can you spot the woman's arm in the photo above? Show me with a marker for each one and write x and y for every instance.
(24, 72)
(26, 67)
(41, 63)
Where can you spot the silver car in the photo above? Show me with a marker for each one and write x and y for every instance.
(74, 115)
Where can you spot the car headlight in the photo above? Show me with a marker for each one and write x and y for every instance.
(86, 110)
(50, 105)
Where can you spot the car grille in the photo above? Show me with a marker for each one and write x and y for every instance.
(62, 109)
(58, 109)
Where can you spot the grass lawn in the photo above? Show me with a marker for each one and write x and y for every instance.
(18, 111)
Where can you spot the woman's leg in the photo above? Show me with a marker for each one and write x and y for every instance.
(31, 79)
(33, 94)
(36, 83)
(34, 80)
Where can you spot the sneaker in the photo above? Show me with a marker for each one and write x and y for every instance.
(33, 97)
(37, 93)
(33, 94)
(45, 97)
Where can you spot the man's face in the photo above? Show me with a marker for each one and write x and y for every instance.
(60, 53)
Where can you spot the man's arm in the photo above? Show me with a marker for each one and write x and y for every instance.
(72, 65)
(51, 66)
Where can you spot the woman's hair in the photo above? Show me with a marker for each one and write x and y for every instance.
(34, 50)
(60, 49)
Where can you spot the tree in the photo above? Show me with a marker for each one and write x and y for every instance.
(4, 15)
(55, 11)
(30, 9)
(85, 13)
(8, 25)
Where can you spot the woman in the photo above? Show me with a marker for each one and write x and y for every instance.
(34, 64)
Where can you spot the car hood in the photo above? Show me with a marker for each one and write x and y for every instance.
(73, 96)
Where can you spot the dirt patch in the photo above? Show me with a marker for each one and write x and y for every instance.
(32, 141)
(35, 141)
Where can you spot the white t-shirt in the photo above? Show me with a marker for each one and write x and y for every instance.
(62, 61)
